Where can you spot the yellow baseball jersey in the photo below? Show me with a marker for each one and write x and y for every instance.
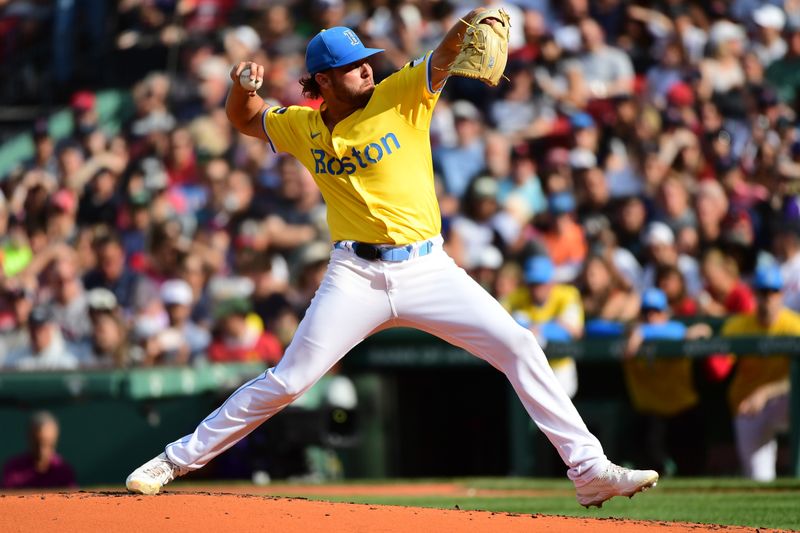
(564, 304)
(754, 371)
(374, 169)
(662, 387)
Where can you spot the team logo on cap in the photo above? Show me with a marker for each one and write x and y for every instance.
(352, 36)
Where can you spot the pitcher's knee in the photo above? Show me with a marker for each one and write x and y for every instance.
(523, 344)
(289, 389)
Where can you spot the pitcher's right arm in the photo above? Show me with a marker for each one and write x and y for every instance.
(245, 108)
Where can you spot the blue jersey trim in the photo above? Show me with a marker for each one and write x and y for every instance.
(428, 75)
(264, 127)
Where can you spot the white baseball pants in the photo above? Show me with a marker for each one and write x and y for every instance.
(755, 438)
(430, 293)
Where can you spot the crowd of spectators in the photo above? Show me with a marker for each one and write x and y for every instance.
(636, 145)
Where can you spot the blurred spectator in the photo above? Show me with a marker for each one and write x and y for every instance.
(296, 209)
(130, 288)
(562, 236)
(787, 250)
(61, 220)
(68, 299)
(41, 467)
(487, 269)
(520, 193)
(517, 111)
(670, 280)
(722, 72)
(725, 292)
(177, 297)
(193, 271)
(459, 164)
(48, 349)
(759, 392)
(107, 345)
(44, 157)
(552, 74)
(711, 206)
(278, 35)
(310, 266)
(769, 46)
(662, 391)
(593, 196)
(17, 302)
(673, 207)
(552, 311)
(665, 78)
(662, 251)
(100, 203)
(605, 294)
(606, 71)
(629, 225)
(238, 339)
(784, 74)
(482, 222)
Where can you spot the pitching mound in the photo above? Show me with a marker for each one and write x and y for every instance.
(118, 512)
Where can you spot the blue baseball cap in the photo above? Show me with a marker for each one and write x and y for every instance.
(561, 202)
(768, 277)
(539, 269)
(581, 121)
(653, 298)
(335, 47)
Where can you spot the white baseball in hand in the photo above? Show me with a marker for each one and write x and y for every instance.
(248, 84)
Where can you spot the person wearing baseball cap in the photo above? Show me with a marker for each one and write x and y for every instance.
(552, 311)
(662, 251)
(563, 237)
(368, 148)
(47, 350)
(662, 390)
(758, 395)
(177, 296)
(769, 46)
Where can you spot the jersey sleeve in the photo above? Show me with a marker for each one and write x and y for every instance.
(281, 126)
(410, 88)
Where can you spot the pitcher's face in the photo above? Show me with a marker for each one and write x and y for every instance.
(352, 84)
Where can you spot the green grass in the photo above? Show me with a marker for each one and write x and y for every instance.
(711, 501)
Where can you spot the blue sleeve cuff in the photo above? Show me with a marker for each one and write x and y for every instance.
(428, 75)
(264, 127)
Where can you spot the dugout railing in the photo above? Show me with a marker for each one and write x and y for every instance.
(396, 349)
(113, 420)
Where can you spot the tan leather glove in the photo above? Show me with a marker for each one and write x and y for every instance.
(484, 50)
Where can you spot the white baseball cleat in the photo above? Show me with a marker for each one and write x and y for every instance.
(154, 474)
(615, 481)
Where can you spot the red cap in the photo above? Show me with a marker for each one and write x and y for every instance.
(680, 95)
(64, 200)
(83, 100)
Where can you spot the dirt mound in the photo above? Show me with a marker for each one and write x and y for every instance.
(199, 512)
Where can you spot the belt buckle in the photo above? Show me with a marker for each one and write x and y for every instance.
(366, 251)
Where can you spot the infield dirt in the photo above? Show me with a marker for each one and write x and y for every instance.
(199, 512)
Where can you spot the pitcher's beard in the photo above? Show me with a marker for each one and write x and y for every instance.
(356, 99)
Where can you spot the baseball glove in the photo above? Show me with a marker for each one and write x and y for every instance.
(484, 50)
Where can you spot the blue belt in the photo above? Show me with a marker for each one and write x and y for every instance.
(372, 252)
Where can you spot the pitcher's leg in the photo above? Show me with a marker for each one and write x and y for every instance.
(462, 313)
(344, 310)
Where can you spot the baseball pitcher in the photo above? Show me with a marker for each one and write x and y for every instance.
(368, 148)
